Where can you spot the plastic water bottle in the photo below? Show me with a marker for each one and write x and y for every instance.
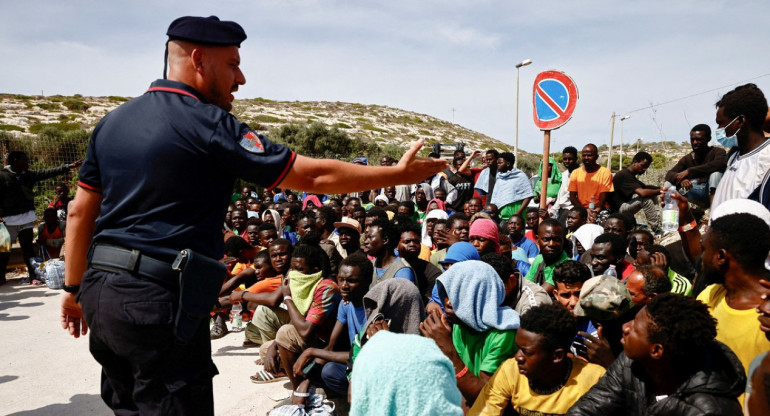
(237, 323)
(670, 214)
(611, 271)
(592, 204)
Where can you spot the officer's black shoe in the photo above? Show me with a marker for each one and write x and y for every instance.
(219, 329)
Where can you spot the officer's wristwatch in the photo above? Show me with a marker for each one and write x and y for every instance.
(71, 288)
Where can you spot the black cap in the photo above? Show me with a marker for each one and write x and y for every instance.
(206, 30)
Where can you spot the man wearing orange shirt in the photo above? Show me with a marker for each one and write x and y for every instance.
(590, 182)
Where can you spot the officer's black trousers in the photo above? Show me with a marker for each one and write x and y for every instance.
(144, 369)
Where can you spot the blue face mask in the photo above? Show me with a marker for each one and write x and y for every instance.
(722, 138)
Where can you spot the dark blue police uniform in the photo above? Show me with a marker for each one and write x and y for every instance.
(165, 164)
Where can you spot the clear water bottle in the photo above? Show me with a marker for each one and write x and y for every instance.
(237, 323)
(670, 214)
(611, 271)
(592, 203)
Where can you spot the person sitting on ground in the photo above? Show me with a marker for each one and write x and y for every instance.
(698, 173)
(311, 301)
(424, 387)
(50, 234)
(380, 243)
(289, 215)
(606, 302)
(267, 234)
(395, 305)
(632, 196)
(238, 218)
(619, 223)
(409, 248)
(241, 255)
(263, 292)
(349, 231)
(520, 293)
(456, 230)
(252, 232)
(591, 184)
(550, 241)
(610, 250)
(61, 201)
(657, 255)
(354, 278)
(736, 264)
(637, 239)
(512, 189)
(542, 378)
(439, 237)
(459, 252)
(427, 226)
(477, 333)
(484, 236)
(671, 365)
(583, 240)
(552, 186)
(532, 219)
(645, 283)
(528, 249)
(324, 225)
(570, 276)
(576, 218)
(563, 203)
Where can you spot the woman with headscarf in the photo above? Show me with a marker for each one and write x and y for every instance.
(272, 216)
(583, 239)
(427, 226)
(436, 204)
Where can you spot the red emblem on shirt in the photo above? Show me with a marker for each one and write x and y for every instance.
(252, 143)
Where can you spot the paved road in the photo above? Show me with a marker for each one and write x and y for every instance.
(44, 371)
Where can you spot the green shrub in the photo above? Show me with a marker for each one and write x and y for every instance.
(38, 128)
(76, 105)
(10, 127)
(117, 99)
(342, 126)
(268, 118)
(49, 106)
(372, 128)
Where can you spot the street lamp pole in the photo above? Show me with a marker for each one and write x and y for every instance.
(516, 135)
(620, 165)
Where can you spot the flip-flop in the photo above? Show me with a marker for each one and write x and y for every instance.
(250, 344)
(263, 376)
(37, 283)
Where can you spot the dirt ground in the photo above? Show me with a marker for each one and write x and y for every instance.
(44, 371)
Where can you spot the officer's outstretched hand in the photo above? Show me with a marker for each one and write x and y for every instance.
(71, 316)
(419, 168)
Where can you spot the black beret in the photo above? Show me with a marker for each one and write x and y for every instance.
(206, 30)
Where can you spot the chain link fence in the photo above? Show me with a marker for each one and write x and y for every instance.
(49, 149)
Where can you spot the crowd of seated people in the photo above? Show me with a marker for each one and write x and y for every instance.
(574, 309)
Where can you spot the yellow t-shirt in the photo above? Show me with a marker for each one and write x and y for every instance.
(738, 329)
(589, 185)
(509, 386)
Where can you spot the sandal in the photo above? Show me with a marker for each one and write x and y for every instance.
(37, 283)
(263, 376)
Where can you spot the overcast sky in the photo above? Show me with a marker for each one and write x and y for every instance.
(424, 56)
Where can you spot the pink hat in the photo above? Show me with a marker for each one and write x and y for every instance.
(485, 228)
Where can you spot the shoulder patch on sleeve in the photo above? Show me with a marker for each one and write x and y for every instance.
(251, 142)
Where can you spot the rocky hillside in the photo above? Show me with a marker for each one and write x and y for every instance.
(374, 123)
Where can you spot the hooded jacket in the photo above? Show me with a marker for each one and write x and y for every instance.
(626, 390)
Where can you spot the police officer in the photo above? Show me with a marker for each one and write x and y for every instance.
(148, 161)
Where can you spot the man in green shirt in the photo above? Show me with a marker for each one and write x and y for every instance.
(477, 334)
(550, 241)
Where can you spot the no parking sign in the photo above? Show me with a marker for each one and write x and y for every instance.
(554, 97)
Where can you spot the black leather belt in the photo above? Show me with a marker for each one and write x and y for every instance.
(118, 259)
